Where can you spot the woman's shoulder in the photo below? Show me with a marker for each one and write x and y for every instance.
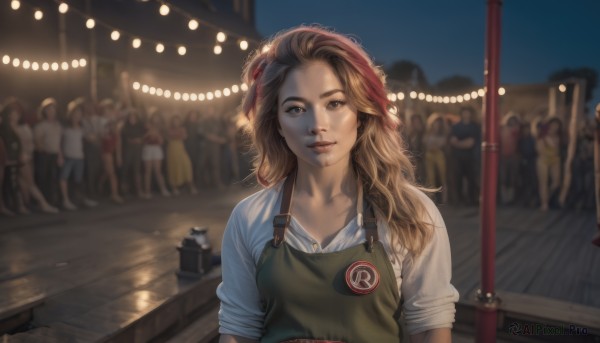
(259, 203)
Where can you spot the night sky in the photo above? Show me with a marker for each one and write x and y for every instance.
(447, 37)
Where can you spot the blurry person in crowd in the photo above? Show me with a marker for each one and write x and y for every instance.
(194, 143)
(582, 192)
(93, 124)
(72, 150)
(152, 154)
(179, 166)
(214, 138)
(26, 180)
(434, 141)
(12, 144)
(111, 158)
(230, 150)
(48, 158)
(509, 157)
(132, 138)
(527, 166)
(464, 138)
(243, 143)
(3, 160)
(548, 147)
(414, 138)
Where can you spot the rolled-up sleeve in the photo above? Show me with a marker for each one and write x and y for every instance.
(429, 297)
(240, 313)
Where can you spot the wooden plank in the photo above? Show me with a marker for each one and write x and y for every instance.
(202, 330)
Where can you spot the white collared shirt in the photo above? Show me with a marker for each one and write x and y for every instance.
(423, 282)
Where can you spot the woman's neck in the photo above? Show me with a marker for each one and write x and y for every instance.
(326, 183)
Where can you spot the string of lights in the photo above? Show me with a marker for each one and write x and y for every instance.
(136, 40)
(188, 96)
(26, 64)
(439, 99)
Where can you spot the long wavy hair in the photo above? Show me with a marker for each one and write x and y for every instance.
(379, 157)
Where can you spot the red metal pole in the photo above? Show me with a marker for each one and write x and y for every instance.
(487, 300)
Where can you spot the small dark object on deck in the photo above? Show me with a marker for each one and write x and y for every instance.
(195, 254)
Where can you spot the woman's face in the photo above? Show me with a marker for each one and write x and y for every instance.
(50, 111)
(312, 107)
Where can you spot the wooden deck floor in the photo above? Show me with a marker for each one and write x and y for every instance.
(545, 254)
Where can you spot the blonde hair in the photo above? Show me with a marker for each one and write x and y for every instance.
(379, 157)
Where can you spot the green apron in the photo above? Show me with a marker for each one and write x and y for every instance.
(317, 296)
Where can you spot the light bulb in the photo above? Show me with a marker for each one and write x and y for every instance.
(26, 64)
(15, 4)
(226, 92)
(244, 87)
(6, 59)
(501, 91)
(209, 96)
(16, 62)
(136, 43)
(193, 24)
(217, 49)
(82, 62)
(54, 66)
(38, 15)
(136, 85)
(64, 66)
(115, 35)
(235, 88)
(201, 97)
(75, 63)
(35, 66)
(45, 66)
(90, 23)
(221, 37)
(160, 48)
(244, 44)
(164, 9)
(562, 88)
(400, 96)
(181, 50)
(63, 8)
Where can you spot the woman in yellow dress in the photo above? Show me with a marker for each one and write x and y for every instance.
(179, 166)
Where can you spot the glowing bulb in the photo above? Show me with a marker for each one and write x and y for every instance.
(159, 91)
(75, 63)
(167, 94)
(400, 96)
(193, 24)
(26, 64)
(193, 97)
(115, 35)
(266, 48)
(64, 66)
(453, 99)
(185, 97)
(446, 99)
(15, 4)
(244, 87)
(136, 43)
(221, 37)
(152, 90)
(562, 88)
(35, 66)
(136, 85)
(429, 98)
(481, 92)
(6, 59)
(413, 95)
(421, 96)
(217, 49)
(181, 50)
(164, 10)
(63, 8)
(82, 62)
(38, 15)
(209, 96)
(90, 23)
(474, 95)
(244, 44)
(467, 97)
(201, 97)
(54, 66)
(459, 98)
(235, 88)
(217, 93)
(45, 66)
(160, 48)
(226, 92)
(177, 96)
(501, 91)
(16, 62)
(145, 88)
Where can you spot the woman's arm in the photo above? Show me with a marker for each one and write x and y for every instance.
(441, 335)
(235, 339)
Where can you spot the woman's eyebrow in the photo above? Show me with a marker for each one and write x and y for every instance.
(324, 95)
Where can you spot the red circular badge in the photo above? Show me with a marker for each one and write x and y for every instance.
(362, 277)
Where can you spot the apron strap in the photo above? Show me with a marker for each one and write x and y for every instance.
(282, 220)
(370, 225)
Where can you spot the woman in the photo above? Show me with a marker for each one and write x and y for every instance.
(434, 141)
(548, 146)
(324, 135)
(509, 156)
(152, 155)
(414, 137)
(12, 144)
(132, 136)
(179, 166)
(111, 159)
(72, 150)
(194, 143)
(48, 157)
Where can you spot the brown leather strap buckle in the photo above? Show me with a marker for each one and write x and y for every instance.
(370, 225)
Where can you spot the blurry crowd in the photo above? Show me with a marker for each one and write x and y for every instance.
(446, 150)
(52, 161)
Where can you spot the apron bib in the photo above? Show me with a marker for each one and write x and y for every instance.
(348, 296)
